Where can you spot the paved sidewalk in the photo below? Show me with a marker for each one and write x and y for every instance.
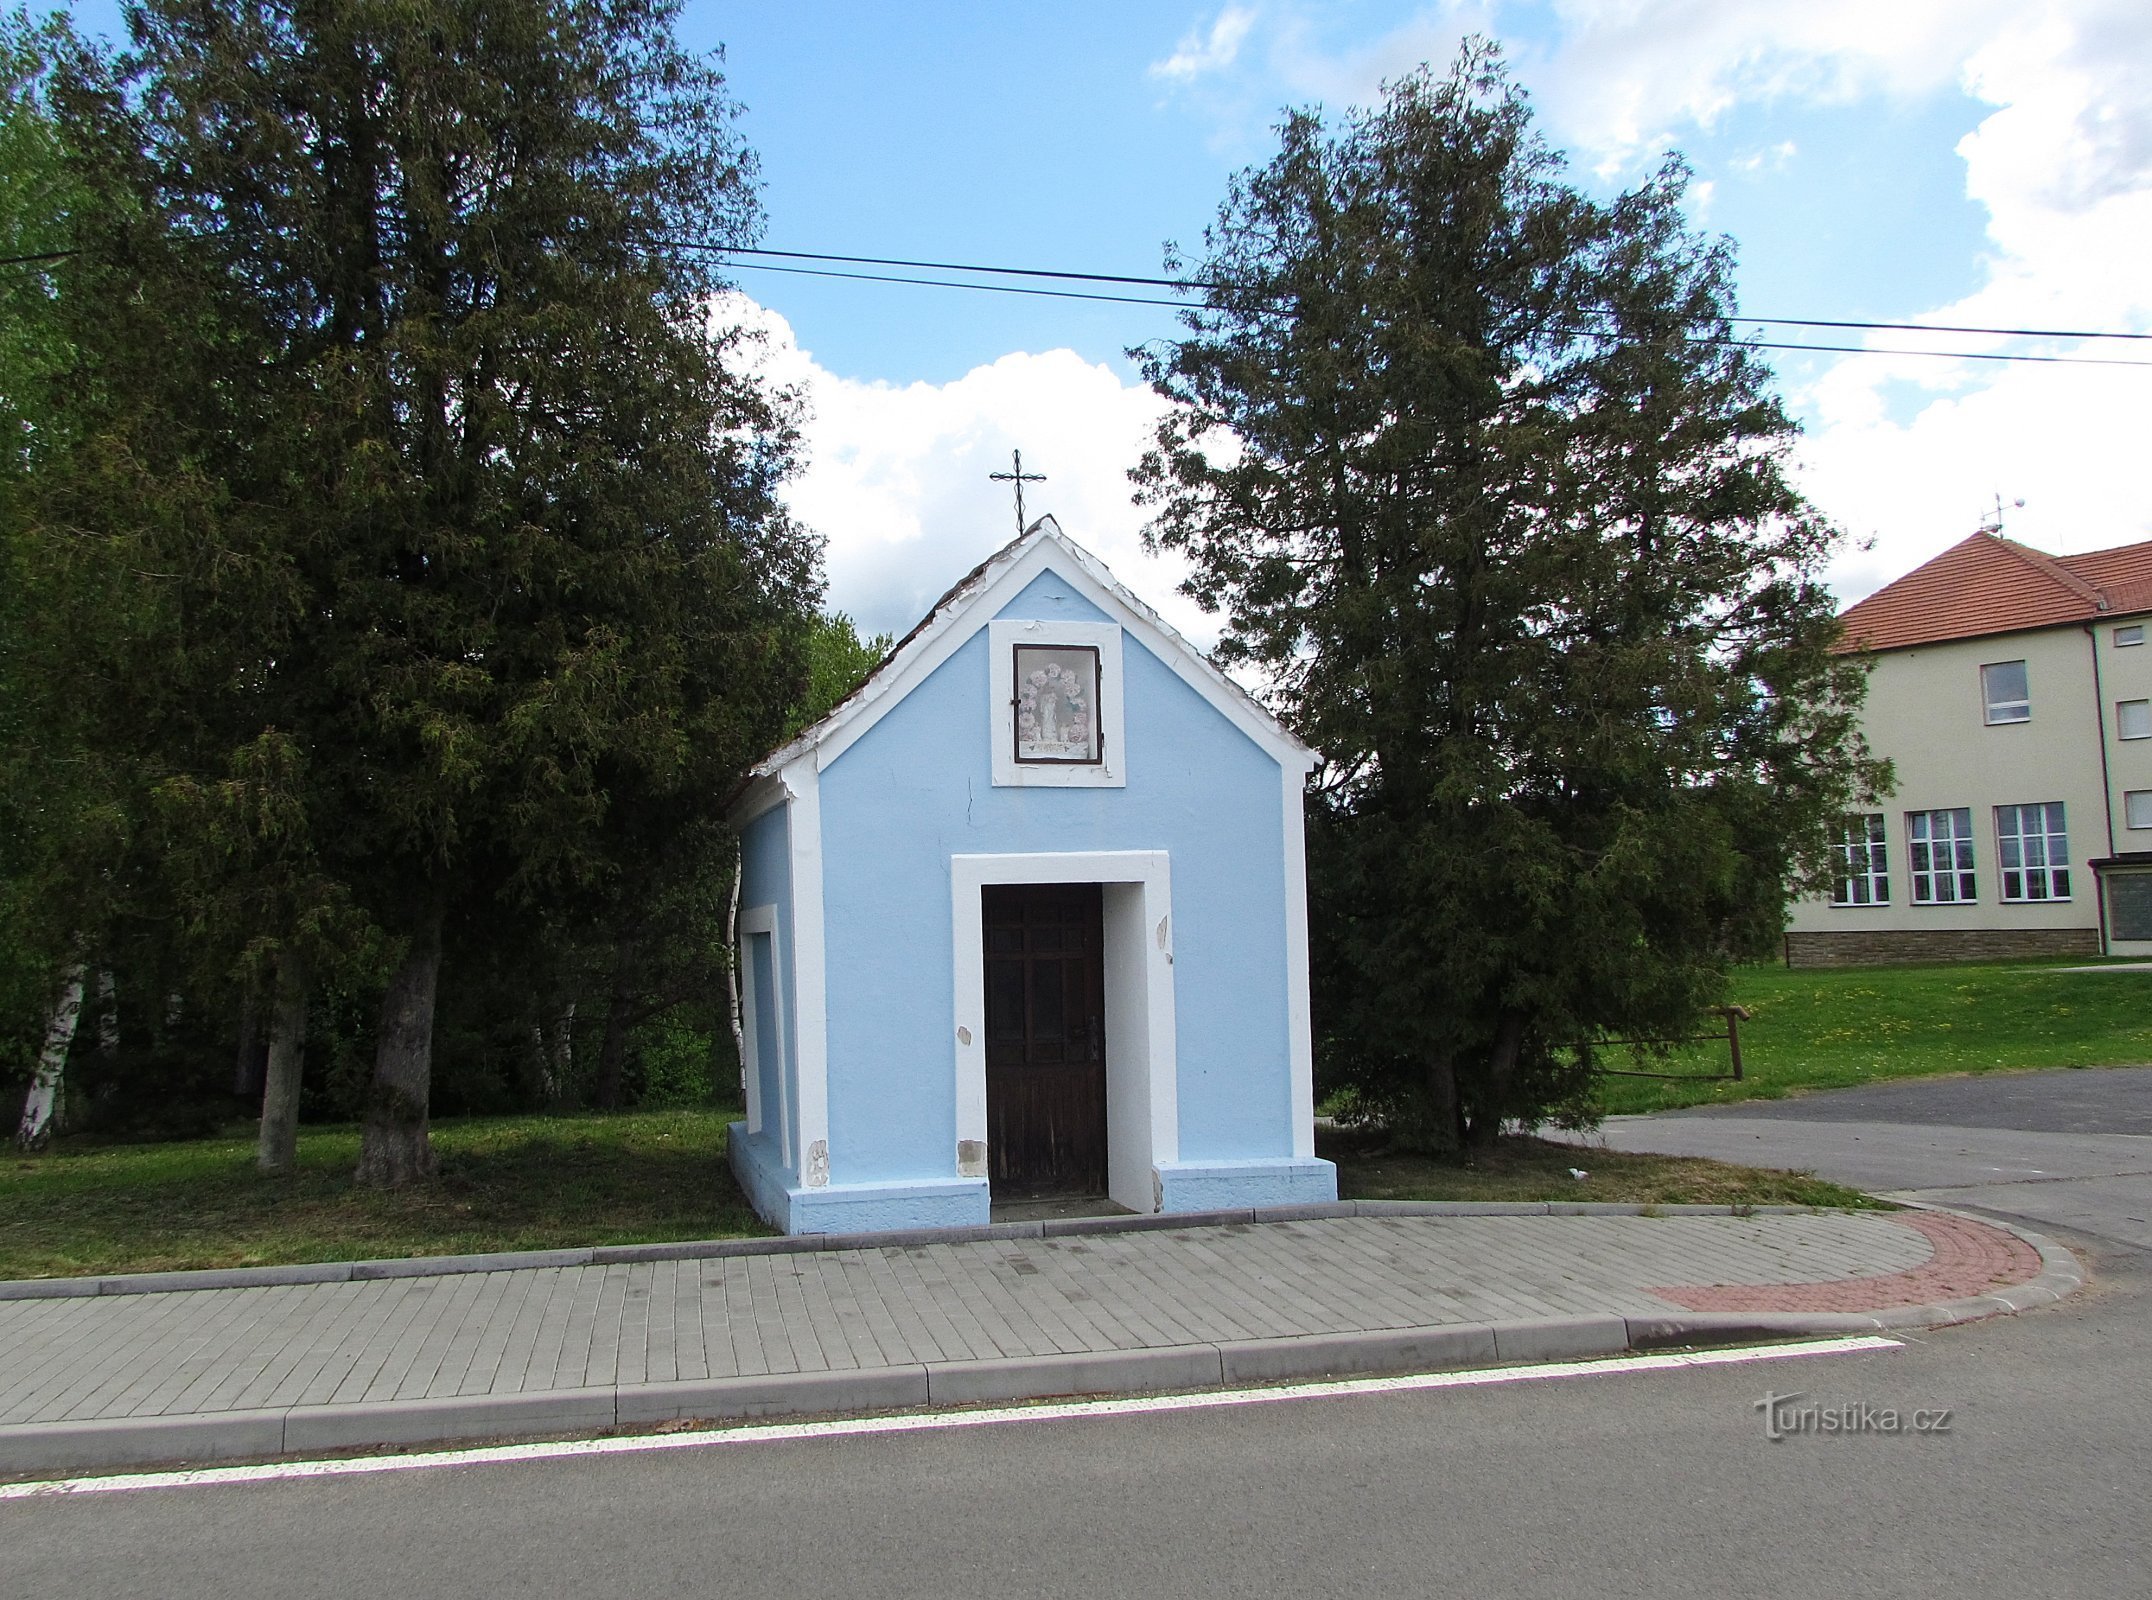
(761, 1327)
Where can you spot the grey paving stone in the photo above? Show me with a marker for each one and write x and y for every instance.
(1560, 1338)
(789, 1394)
(448, 1266)
(1036, 1377)
(1065, 1227)
(49, 1288)
(1344, 1354)
(1024, 1312)
(462, 1417)
(140, 1441)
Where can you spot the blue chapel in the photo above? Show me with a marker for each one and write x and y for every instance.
(1025, 916)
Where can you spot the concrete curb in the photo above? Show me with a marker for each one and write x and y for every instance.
(716, 1249)
(45, 1447)
(133, 1442)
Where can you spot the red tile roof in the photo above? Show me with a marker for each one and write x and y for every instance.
(1989, 584)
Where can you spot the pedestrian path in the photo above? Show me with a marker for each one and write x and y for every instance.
(280, 1366)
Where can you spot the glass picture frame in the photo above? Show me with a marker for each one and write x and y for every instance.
(1055, 710)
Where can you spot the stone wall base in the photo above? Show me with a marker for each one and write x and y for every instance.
(1880, 947)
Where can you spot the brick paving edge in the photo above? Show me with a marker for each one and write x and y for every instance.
(253, 1435)
(199, 1440)
(714, 1249)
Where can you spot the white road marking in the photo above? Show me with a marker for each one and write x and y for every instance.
(924, 1422)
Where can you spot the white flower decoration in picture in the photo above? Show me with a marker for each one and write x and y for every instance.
(1056, 694)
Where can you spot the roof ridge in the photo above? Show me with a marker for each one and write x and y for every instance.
(2048, 566)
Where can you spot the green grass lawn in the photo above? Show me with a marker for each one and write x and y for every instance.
(534, 1183)
(1534, 1169)
(514, 1183)
(1827, 1028)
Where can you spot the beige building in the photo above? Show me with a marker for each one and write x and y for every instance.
(2012, 692)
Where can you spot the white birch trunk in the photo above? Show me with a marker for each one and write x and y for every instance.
(43, 1103)
(732, 969)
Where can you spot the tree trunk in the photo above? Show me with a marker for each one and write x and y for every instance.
(1486, 1122)
(619, 1013)
(393, 1148)
(250, 1063)
(553, 1055)
(1445, 1130)
(560, 1056)
(732, 975)
(41, 1107)
(108, 1017)
(278, 1150)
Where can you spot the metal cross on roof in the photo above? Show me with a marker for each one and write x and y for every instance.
(1019, 477)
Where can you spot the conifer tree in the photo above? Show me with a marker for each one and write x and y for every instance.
(1491, 494)
(453, 514)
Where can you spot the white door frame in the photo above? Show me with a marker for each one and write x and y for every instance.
(1142, 1086)
(762, 921)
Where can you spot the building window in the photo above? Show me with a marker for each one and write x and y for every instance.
(2137, 808)
(2129, 906)
(1054, 693)
(1056, 706)
(2003, 684)
(1863, 863)
(2134, 633)
(1941, 845)
(2033, 849)
(2133, 719)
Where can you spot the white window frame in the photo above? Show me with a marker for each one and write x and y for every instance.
(1999, 713)
(2016, 845)
(2143, 711)
(2128, 634)
(1110, 771)
(2137, 808)
(1959, 874)
(1863, 862)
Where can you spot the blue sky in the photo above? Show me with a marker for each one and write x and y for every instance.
(1986, 162)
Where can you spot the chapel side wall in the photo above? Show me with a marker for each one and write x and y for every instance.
(1925, 712)
(917, 789)
(766, 879)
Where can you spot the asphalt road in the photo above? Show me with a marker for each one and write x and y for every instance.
(2065, 1150)
(1659, 1484)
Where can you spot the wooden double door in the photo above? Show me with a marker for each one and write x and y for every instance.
(1045, 1039)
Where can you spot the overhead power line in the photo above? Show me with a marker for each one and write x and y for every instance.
(1192, 285)
(1206, 286)
(1751, 344)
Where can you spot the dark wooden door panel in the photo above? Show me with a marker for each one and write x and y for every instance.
(1045, 1038)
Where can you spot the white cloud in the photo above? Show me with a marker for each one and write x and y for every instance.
(897, 482)
(2063, 166)
(1202, 53)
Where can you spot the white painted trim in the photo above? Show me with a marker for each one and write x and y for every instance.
(1142, 1086)
(952, 625)
(1003, 635)
(761, 793)
(1299, 1015)
(810, 988)
(763, 920)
